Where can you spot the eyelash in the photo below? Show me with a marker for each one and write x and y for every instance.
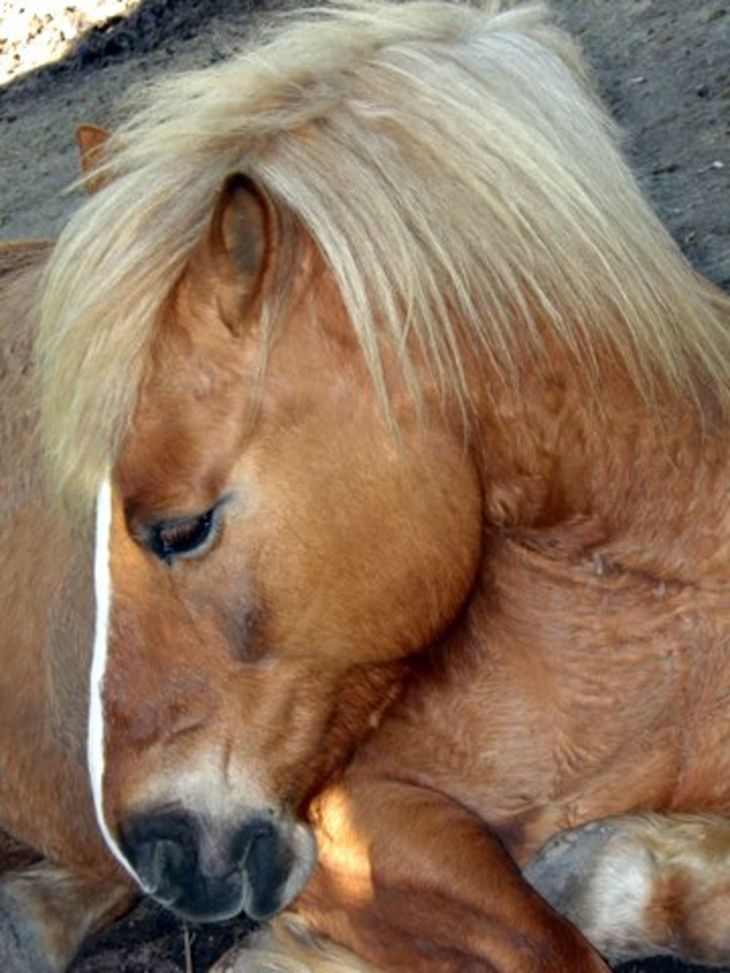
(189, 537)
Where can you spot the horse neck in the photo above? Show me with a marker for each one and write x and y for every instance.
(593, 469)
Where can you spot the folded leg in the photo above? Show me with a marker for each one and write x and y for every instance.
(410, 880)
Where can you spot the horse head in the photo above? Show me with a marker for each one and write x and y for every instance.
(267, 555)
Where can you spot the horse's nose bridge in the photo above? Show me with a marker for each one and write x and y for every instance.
(169, 670)
(176, 704)
(157, 710)
(188, 706)
(183, 747)
(165, 681)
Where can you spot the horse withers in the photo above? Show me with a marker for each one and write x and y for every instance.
(380, 567)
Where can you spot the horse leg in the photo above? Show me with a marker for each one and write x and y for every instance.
(47, 911)
(644, 884)
(409, 880)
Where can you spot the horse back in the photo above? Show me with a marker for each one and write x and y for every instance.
(45, 603)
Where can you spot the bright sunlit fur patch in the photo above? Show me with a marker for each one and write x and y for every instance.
(478, 189)
(342, 848)
(288, 946)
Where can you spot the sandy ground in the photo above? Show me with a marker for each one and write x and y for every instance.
(38, 32)
(663, 66)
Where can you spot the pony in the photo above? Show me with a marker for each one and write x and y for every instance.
(369, 520)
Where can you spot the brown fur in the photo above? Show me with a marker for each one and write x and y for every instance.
(536, 706)
(441, 647)
(39, 605)
(45, 911)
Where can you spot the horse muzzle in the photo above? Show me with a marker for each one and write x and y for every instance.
(208, 872)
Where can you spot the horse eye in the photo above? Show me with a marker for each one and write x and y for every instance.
(188, 537)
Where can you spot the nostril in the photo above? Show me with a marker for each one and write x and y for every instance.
(254, 831)
(267, 861)
(160, 846)
(265, 852)
(160, 865)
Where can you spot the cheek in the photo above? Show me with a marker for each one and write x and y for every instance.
(360, 548)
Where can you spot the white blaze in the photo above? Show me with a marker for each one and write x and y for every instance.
(103, 597)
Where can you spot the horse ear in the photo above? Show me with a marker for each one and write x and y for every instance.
(241, 242)
(91, 140)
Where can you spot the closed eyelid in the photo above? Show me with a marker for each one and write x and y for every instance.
(142, 520)
(179, 537)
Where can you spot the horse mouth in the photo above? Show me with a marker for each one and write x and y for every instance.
(203, 900)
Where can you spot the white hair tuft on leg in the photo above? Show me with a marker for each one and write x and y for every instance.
(287, 945)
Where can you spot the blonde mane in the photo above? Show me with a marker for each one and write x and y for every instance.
(450, 164)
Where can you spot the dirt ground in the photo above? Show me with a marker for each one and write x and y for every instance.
(663, 66)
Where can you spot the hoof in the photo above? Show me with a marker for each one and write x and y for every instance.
(600, 877)
(46, 911)
(563, 868)
(20, 951)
